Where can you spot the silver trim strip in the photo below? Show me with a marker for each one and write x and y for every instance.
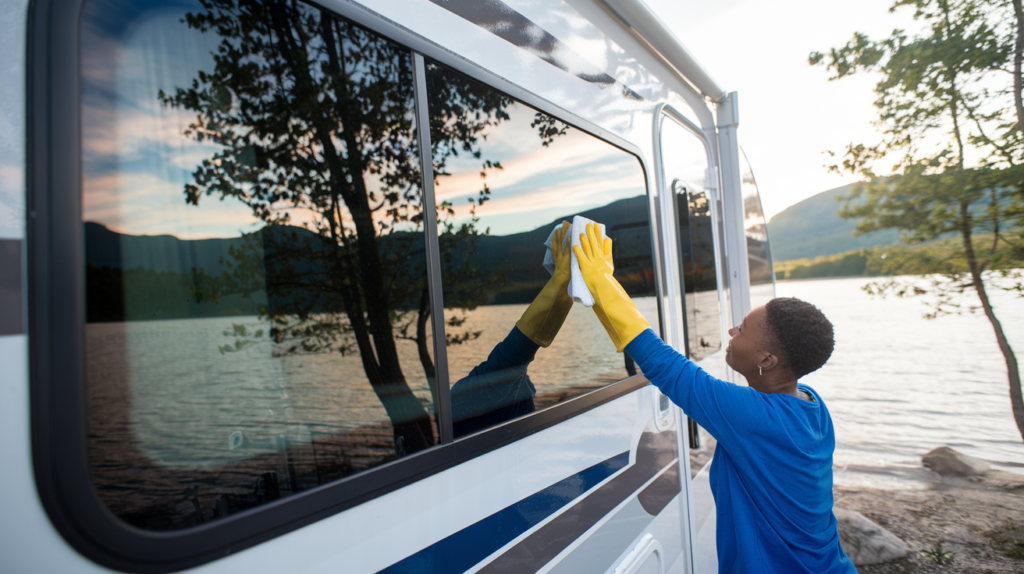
(442, 413)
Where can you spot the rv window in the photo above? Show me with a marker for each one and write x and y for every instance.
(505, 175)
(685, 163)
(256, 286)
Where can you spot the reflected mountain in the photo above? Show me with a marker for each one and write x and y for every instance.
(165, 272)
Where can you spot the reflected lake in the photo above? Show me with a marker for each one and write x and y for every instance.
(897, 385)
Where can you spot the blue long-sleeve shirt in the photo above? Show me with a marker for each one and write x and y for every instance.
(772, 471)
(497, 389)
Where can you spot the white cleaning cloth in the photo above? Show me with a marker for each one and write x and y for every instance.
(577, 287)
(549, 258)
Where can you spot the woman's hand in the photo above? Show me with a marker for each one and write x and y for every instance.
(562, 255)
(613, 307)
(544, 317)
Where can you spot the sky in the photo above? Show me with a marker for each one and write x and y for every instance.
(137, 159)
(790, 114)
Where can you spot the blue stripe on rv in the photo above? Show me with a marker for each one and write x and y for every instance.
(460, 551)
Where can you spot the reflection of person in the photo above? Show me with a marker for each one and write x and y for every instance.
(771, 475)
(499, 388)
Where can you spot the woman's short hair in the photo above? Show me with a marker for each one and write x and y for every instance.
(801, 332)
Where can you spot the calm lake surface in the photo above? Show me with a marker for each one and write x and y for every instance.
(899, 385)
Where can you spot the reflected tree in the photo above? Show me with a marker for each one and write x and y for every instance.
(313, 117)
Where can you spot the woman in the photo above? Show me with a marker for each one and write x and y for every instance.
(772, 471)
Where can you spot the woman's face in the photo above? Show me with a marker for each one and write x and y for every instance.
(749, 345)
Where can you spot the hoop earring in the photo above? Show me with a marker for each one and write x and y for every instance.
(759, 370)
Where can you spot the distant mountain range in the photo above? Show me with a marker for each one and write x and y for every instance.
(136, 277)
(812, 229)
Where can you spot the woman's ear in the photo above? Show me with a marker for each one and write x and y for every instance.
(768, 362)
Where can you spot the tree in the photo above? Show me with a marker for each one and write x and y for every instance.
(951, 128)
(313, 119)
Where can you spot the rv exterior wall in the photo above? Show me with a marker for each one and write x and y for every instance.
(447, 492)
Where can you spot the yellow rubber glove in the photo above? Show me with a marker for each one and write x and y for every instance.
(544, 317)
(614, 308)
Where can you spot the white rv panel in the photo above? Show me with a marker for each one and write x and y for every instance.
(606, 66)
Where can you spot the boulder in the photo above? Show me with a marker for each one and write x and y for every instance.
(1002, 479)
(948, 462)
(865, 542)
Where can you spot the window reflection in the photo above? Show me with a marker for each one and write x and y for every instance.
(759, 256)
(685, 163)
(500, 197)
(256, 285)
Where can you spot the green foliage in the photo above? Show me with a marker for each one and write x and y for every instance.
(939, 556)
(144, 295)
(951, 126)
(943, 257)
(850, 264)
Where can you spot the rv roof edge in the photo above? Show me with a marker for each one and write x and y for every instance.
(652, 31)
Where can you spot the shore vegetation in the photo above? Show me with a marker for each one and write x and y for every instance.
(949, 159)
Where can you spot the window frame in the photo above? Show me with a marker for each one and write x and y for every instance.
(666, 112)
(56, 312)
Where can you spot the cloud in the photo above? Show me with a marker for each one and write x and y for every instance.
(574, 150)
(573, 196)
(144, 204)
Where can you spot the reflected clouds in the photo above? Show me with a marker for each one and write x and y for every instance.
(136, 158)
(576, 171)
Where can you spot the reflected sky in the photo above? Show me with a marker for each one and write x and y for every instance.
(576, 172)
(137, 160)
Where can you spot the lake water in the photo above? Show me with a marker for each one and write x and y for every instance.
(899, 385)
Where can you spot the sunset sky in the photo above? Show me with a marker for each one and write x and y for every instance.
(789, 112)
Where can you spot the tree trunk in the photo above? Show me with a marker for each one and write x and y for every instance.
(374, 337)
(422, 320)
(1016, 399)
(1018, 57)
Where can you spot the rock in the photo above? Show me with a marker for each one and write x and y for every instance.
(866, 542)
(1002, 479)
(948, 462)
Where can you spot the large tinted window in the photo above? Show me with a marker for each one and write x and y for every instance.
(256, 284)
(759, 253)
(505, 175)
(685, 161)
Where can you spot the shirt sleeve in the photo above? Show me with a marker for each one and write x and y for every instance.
(497, 383)
(517, 350)
(729, 412)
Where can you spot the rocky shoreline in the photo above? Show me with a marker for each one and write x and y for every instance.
(966, 517)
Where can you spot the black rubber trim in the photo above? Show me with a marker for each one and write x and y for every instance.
(56, 316)
(11, 321)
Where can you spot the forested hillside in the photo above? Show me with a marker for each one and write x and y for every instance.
(812, 229)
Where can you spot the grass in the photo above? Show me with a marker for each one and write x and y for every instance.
(939, 555)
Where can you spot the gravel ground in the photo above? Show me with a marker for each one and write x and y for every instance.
(953, 525)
